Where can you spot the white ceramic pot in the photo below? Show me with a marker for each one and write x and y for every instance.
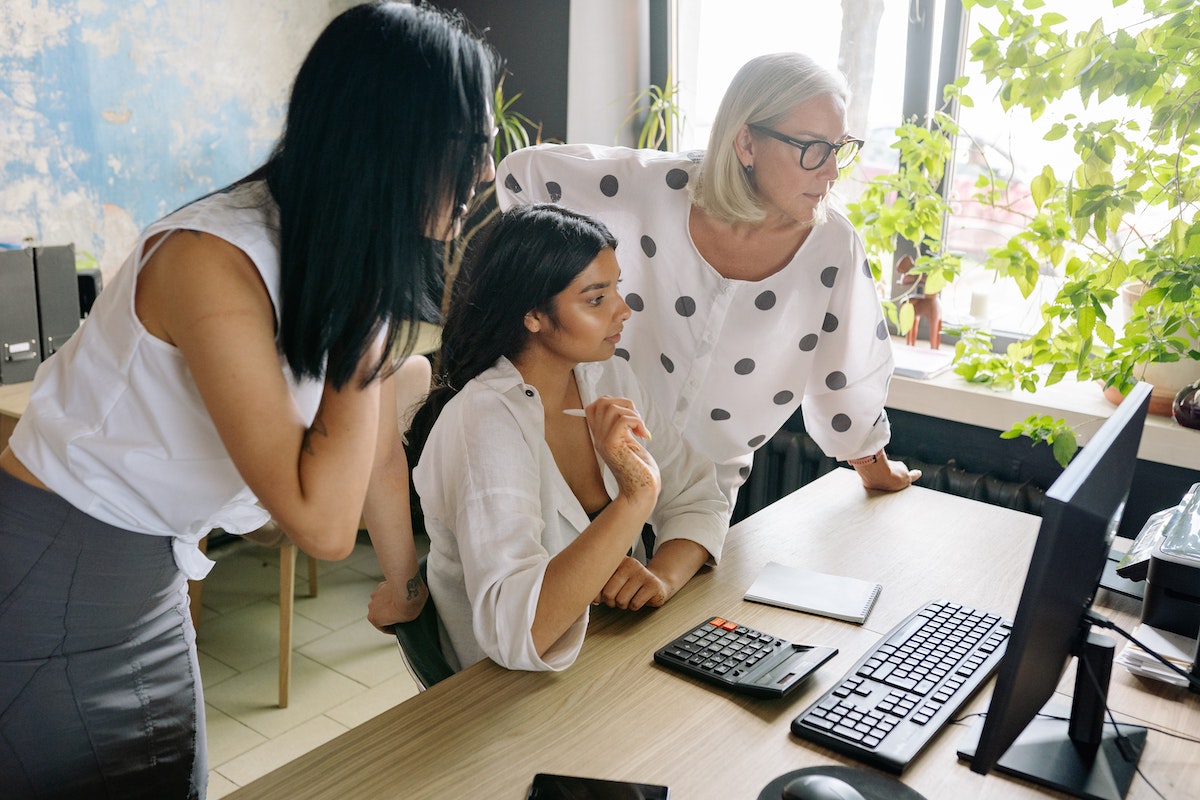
(1166, 377)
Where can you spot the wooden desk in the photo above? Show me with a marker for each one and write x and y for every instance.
(13, 399)
(615, 714)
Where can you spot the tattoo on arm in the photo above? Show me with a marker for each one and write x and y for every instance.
(414, 586)
(318, 426)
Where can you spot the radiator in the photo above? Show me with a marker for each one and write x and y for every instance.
(791, 459)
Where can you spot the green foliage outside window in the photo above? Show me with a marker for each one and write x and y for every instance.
(1083, 227)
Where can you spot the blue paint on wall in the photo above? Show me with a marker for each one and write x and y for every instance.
(115, 112)
(142, 165)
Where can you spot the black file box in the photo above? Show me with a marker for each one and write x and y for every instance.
(39, 307)
(20, 337)
(90, 281)
(58, 295)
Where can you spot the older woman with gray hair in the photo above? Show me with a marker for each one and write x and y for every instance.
(751, 297)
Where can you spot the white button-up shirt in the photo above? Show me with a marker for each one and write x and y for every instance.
(497, 509)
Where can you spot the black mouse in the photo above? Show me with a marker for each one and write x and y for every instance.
(820, 787)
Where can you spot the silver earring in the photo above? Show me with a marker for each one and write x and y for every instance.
(748, 169)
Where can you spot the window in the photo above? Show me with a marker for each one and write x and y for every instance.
(714, 41)
(1014, 147)
(715, 37)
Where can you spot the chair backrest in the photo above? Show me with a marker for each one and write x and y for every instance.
(420, 647)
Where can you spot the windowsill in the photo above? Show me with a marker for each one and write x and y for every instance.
(1082, 405)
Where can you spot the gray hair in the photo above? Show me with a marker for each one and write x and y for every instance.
(763, 91)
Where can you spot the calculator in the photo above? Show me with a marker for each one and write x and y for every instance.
(742, 659)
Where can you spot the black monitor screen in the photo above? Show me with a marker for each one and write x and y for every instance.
(1080, 517)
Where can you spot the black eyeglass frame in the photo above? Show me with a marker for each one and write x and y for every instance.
(803, 147)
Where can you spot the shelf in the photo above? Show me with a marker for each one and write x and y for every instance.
(1082, 405)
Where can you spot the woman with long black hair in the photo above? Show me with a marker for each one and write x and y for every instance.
(537, 472)
(233, 371)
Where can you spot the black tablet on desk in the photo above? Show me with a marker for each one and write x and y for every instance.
(569, 787)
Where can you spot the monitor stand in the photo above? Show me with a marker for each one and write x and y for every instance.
(1072, 749)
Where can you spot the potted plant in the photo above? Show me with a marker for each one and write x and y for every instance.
(1088, 225)
(661, 116)
(656, 107)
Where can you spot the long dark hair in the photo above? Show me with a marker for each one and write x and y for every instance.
(386, 126)
(531, 253)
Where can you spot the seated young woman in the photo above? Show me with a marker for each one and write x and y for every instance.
(539, 472)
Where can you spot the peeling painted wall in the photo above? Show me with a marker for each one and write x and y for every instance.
(115, 112)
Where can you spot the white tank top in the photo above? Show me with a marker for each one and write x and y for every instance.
(115, 425)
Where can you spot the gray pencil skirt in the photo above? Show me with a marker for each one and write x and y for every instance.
(100, 693)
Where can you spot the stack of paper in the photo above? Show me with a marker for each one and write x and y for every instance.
(836, 596)
(1171, 646)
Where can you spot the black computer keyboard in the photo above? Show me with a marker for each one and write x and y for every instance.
(742, 659)
(899, 695)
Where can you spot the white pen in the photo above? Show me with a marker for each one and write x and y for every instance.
(579, 412)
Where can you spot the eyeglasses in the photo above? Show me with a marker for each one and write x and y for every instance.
(814, 153)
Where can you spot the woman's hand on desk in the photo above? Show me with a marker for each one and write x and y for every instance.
(886, 475)
(633, 586)
(391, 603)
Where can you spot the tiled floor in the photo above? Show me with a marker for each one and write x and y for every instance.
(344, 671)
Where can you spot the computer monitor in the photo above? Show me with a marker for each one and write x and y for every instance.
(1082, 756)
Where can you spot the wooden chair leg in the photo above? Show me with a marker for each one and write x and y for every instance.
(312, 575)
(287, 593)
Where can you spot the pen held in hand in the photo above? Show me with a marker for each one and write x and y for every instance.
(579, 412)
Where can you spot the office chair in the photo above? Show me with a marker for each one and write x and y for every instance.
(420, 648)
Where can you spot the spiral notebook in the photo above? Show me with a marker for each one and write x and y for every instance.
(836, 596)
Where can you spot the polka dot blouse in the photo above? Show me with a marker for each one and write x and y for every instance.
(728, 360)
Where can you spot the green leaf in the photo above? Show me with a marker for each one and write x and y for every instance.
(934, 282)
(1100, 223)
(1085, 320)
(1040, 188)
(1064, 447)
(907, 315)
